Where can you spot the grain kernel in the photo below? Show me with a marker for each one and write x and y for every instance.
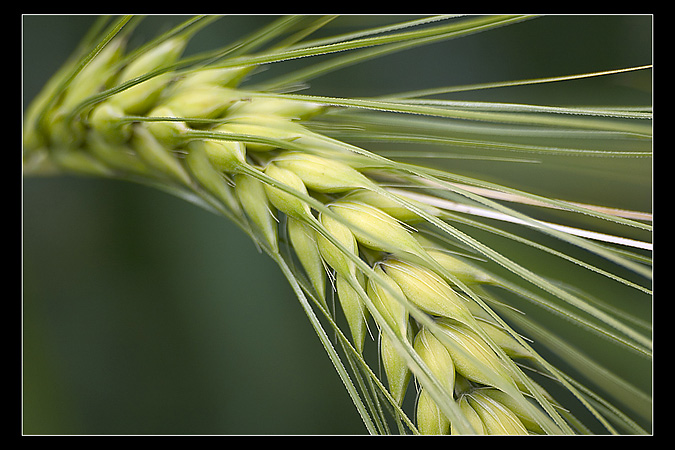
(427, 290)
(283, 201)
(430, 419)
(334, 257)
(497, 418)
(377, 230)
(322, 175)
(254, 201)
(303, 240)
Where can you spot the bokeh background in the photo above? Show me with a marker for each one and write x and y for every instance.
(144, 314)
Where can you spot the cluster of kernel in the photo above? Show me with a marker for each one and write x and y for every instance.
(196, 129)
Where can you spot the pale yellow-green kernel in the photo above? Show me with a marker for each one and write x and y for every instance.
(464, 271)
(156, 155)
(117, 156)
(303, 240)
(254, 201)
(209, 177)
(93, 77)
(169, 132)
(386, 302)
(218, 76)
(471, 416)
(437, 358)
(430, 419)
(497, 418)
(284, 201)
(323, 175)
(395, 368)
(472, 356)
(78, 161)
(139, 98)
(287, 108)
(384, 203)
(201, 101)
(427, 290)
(266, 127)
(353, 309)
(503, 339)
(106, 119)
(377, 230)
(333, 256)
(226, 156)
(156, 57)
(523, 414)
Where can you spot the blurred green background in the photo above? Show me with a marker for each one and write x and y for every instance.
(143, 314)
